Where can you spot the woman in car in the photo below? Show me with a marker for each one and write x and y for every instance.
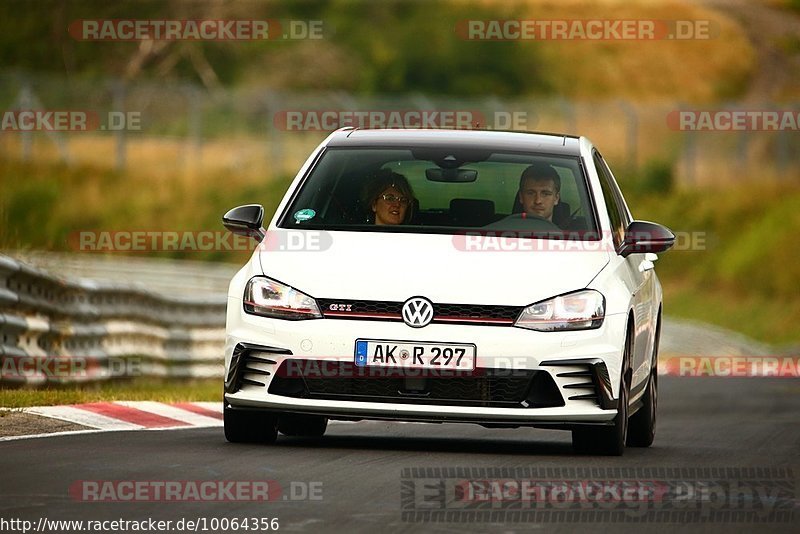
(389, 197)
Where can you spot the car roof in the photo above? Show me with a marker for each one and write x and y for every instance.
(479, 139)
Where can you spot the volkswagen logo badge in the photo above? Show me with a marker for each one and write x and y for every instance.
(417, 312)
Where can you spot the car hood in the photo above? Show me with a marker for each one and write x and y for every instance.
(443, 268)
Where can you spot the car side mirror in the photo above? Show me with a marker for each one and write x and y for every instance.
(246, 220)
(643, 236)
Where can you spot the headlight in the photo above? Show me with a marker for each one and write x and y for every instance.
(272, 299)
(581, 310)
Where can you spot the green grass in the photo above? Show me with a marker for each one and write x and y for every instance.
(135, 390)
(768, 320)
(46, 206)
(745, 275)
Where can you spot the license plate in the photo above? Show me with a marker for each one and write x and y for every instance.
(415, 355)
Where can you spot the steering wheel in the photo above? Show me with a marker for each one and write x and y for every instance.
(520, 221)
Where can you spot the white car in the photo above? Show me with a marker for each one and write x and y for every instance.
(483, 277)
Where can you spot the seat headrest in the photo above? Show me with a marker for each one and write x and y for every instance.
(470, 208)
(561, 211)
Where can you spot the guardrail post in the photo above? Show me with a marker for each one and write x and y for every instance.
(118, 103)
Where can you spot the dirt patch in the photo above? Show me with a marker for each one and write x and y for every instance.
(18, 423)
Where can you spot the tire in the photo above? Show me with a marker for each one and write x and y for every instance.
(609, 440)
(312, 426)
(642, 426)
(244, 426)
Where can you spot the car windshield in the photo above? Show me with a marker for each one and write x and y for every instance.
(443, 190)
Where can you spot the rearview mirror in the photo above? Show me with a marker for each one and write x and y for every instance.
(246, 220)
(451, 175)
(643, 236)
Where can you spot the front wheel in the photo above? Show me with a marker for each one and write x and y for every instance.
(642, 426)
(246, 426)
(609, 440)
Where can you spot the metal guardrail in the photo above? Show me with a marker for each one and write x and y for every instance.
(55, 330)
(160, 275)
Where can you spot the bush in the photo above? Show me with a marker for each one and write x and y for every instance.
(656, 177)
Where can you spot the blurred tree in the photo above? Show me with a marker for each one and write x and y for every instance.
(374, 47)
(413, 46)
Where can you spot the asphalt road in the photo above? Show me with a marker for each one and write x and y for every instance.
(361, 476)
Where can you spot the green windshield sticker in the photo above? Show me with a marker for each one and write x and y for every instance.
(304, 215)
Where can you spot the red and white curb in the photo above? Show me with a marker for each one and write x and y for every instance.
(130, 415)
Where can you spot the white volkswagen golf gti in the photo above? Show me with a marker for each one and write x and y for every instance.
(483, 277)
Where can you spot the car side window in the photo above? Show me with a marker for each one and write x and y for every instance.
(623, 206)
(615, 212)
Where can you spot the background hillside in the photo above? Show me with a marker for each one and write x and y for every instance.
(392, 47)
(209, 139)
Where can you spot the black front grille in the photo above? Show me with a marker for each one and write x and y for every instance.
(443, 313)
(484, 387)
(249, 364)
(588, 380)
(476, 311)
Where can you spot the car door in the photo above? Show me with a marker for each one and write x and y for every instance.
(635, 270)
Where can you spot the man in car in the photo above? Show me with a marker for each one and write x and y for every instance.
(539, 191)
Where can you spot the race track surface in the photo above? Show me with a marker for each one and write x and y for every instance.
(740, 433)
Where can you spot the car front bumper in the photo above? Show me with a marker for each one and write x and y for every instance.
(257, 347)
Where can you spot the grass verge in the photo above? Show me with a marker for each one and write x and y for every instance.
(761, 318)
(151, 389)
(735, 261)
